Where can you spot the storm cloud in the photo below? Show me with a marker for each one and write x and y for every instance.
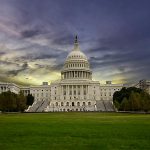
(36, 37)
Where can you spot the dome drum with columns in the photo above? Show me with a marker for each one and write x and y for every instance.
(76, 65)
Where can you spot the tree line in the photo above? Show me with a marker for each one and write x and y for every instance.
(11, 102)
(131, 99)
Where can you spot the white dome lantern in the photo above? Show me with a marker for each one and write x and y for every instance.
(76, 52)
(76, 65)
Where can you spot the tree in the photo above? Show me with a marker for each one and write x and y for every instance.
(117, 105)
(10, 101)
(132, 99)
(125, 92)
(145, 101)
(21, 102)
(30, 99)
(125, 104)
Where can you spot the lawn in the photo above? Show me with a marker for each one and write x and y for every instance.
(73, 130)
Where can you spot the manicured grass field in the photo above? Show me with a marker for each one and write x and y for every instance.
(74, 131)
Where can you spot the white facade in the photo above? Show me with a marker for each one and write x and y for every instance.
(4, 87)
(76, 91)
(107, 90)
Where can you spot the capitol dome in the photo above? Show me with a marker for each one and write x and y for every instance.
(76, 65)
(76, 53)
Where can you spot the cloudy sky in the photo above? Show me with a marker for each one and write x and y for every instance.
(37, 35)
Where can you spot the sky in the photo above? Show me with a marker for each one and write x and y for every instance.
(37, 35)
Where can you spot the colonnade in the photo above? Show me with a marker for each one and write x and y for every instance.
(74, 90)
(76, 74)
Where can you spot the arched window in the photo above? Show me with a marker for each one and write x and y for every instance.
(62, 104)
(56, 103)
(89, 103)
(83, 103)
(78, 103)
(67, 104)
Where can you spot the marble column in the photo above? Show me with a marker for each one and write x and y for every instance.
(67, 97)
(72, 92)
(81, 92)
(62, 91)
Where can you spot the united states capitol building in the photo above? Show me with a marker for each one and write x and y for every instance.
(75, 91)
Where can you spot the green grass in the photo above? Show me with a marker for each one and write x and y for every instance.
(75, 131)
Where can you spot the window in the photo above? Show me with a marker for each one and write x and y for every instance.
(78, 103)
(83, 103)
(56, 103)
(62, 104)
(67, 104)
(89, 103)
(109, 93)
(72, 103)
